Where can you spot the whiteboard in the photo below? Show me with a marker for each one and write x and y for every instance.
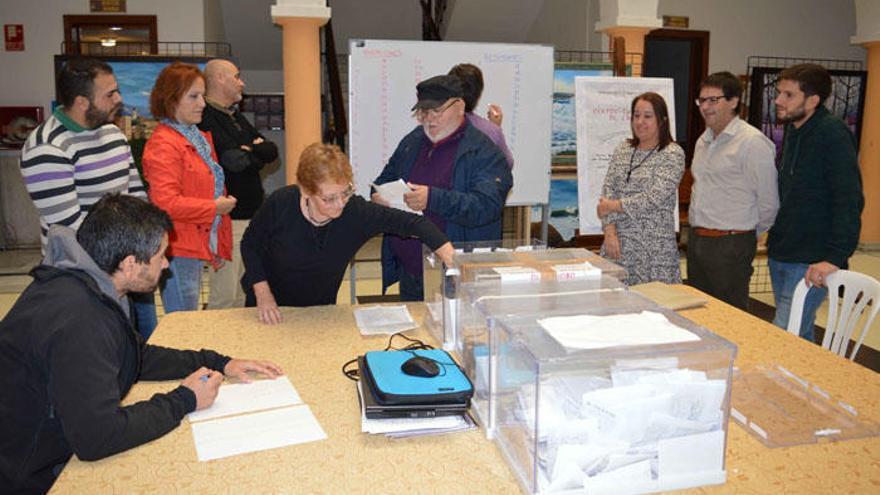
(382, 89)
(603, 122)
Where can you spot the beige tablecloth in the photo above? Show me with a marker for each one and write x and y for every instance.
(312, 345)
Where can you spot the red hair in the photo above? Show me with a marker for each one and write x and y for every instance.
(174, 80)
(320, 163)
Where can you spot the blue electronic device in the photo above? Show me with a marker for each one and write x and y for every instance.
(390, 384)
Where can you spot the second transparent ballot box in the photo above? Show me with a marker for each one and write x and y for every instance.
(513, 263)
(440, 283)
(604, 401)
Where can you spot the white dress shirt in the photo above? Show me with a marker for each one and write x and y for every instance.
(734, 180)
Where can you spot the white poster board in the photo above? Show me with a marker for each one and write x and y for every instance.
(603, 122)
(382, 90)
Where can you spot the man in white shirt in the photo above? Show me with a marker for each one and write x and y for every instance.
(734, 197)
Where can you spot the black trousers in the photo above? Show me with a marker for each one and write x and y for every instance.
(722, 266)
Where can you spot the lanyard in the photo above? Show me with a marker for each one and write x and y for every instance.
(632, 157)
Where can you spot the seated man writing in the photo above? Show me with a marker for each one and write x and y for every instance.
(69, 353)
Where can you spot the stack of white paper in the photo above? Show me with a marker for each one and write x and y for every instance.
(376, 320)
(259, 395)
(410, 427)
(247, 417)
(253, 432)
(596, 332)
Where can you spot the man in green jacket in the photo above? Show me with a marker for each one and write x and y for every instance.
(820, 194)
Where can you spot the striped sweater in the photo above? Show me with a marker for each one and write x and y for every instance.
(67, 169)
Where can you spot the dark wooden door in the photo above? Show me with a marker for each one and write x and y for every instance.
(682, 55)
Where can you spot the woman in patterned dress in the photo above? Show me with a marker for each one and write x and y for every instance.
(638, 200)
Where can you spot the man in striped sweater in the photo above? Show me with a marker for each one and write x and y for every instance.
(78, 155)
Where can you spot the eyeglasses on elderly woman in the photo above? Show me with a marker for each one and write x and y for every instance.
(341, 197)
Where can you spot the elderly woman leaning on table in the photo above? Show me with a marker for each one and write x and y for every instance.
(186, 181)
(297, 246)
(637, 207)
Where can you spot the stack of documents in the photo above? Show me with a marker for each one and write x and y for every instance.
(375, 320)
(596, 332)
(410, 427)
(248, 417)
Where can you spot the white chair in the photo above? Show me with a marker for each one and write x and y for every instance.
(843, 313)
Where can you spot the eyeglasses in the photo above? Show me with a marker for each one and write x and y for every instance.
(342, 197)
(424, 113)
(711, 100)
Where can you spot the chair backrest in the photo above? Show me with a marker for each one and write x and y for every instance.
(844, 312)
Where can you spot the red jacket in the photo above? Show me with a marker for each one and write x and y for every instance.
(182, 184)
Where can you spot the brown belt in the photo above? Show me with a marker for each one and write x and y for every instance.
(703, 232)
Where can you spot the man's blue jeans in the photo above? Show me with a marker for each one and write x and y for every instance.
(785, 277)
(180, 291)
(144, 316)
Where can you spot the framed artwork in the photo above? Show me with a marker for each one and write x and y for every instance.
(563, 207)
(847, 101)
(16, 123)
(136, 76)
(564, 127)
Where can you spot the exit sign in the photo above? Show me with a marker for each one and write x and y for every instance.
(14, 35)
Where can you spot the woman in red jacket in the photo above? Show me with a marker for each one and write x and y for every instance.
(186, 181)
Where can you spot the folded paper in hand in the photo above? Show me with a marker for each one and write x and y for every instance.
(393, 192)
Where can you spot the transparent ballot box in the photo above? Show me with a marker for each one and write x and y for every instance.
(480, 303)
(612, 402)
(440, 286)
(511, 263)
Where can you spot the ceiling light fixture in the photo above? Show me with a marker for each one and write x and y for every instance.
(115, 28)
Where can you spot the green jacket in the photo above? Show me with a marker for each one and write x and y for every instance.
(820, 194)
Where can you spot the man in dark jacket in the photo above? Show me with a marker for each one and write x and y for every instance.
(69, 354)
(820, 194)
(242, 152)
(457, 177)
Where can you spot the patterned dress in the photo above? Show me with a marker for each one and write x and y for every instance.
(646, 182)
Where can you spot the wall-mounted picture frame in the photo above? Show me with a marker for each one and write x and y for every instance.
(847, 101)
(267, 110)
(564, 128)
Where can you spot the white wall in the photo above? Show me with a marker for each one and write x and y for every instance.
(28, 77)
(370, 19)
(785, 28)
(263, 81)
(214, 28)
(563, 24)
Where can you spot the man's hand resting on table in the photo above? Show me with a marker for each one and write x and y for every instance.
(239, 368)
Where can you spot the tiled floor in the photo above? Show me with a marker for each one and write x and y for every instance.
(15, 264)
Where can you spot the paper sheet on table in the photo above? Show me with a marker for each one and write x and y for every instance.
(595, 332)
(400, 425)
(383, 319)
(252, 432)
(259, 395)
(393, 192)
